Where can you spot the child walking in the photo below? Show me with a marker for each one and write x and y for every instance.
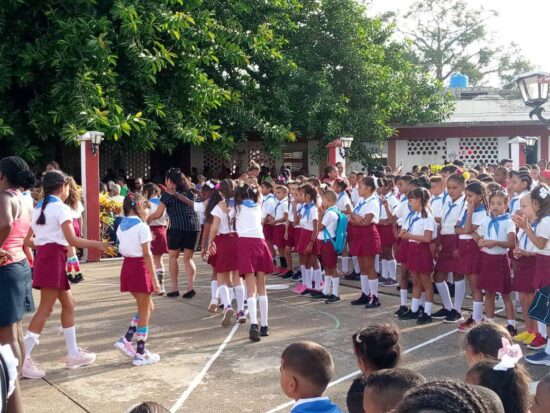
(137, 277)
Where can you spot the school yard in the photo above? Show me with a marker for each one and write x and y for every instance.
(206, 368)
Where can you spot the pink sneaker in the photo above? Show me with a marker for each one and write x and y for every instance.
(82, 359)
(125, 347)
(300, 288)
(30, 370)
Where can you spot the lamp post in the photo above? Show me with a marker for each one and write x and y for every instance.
(534, 91)
(346, 144)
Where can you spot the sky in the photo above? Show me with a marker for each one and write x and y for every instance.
(522, 21)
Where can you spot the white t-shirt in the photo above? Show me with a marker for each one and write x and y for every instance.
(402, 210)
(132, 239)
(367, 206)
(343, 201)
(56, 213)
(451, 214)
(330, 221)
(153, 206)
(524, 243)
(299, 208)
(505, 227)
(281, 208)
(268, 205)
(392, 204)
(543, 230)
(225, 219)
(418, 225)
(477, 218)
(436, 204)
(515, 204)
(200, 209)
(248, 221)
(77, 213)
(307, 218)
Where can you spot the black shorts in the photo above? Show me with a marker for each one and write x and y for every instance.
(182, 240)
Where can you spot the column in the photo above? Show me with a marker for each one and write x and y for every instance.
(90, 189)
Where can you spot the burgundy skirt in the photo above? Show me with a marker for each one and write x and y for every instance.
(402, 251)
(226, 251)
(328, 254)
(254, 256)
(289, 242)
(446, 262)
(365, 241)
(296, 237)
(159, 244)
(76, 226)
(279, 236)
(468, 257)
(524, 275)
(542, 271)
(134, 276)
(49, 267)
(419, 258)
(494, 273)
(305, 238)
(387, 235)
(268, 232)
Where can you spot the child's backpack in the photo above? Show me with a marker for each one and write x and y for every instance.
(339, 241)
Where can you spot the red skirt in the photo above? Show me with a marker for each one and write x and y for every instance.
(159, 244)
(468, 257)
(524, 274)
(542, 271)
(254, 256)
(289, 242)
(365, 241)
(296, 237)
(305, 238)
(226, 251)
(49, 267)
(494, 273)
(76, 226)
(134, 276)
(328, 255)
(402, 254)
(279, 236)
(268, 232)
(419, 258)
(446, 262)
(387, 235)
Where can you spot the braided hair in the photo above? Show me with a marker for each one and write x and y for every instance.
(52, 182)
(423, 195)
(17, 172)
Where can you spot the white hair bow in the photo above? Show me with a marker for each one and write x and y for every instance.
(543, 192)
(509, 355)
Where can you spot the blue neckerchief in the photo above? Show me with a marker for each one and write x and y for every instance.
(404, 198)
(445, 195)
(279, 203)
(307, 209)
(451, 207)
(300, 209)
(231, 202)
(526, 238)
(480, 208)
(249, 203)
(495, 223)
(129, 222)
(155, 201)
(513, 203)
(360, 204)
(341, 195)
(410, 215)
(411, 223)
(51, 200)
(269, 196)
(435, 198)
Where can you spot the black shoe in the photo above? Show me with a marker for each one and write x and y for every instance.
(421, 309)
(332, 299)
(424, 319)
(254, 333)
(373, 303)
(264, 331)
(297, 276)
(288, 275)
(189, 294)
(350, 276)
(355, 276)
(453, 317)
(319, 296)
(451, 289)
(77, 278)
(308, 291)
(364, 299)
(441, 314)
(173, 294)
(409, 315)
(70, 278)
(512, 330)
(402, 310)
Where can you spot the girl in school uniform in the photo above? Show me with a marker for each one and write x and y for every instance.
(74, 201)
(159, 243)
(137, 277)
(50, 233)
(520, 184)
(419, 232)
(364, 240)
(290, 236)
(278, 221)
(495, 236)
(386, 229)
(268, 208)
(254, 259)
(344, 204)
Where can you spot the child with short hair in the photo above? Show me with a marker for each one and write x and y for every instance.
(306, 370)
(278, 220)
(290, 233)
(386, 230)
(268, 208)
(541, 401)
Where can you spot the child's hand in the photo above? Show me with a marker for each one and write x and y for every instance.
(490, 243)
(5, 256)
(520, 221)
(402, 233)
(212, 248)
(102, 246)
(286, 235)
(152, 302)
(518, 253)
(309, 248)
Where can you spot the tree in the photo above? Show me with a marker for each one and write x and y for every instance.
(449, 36)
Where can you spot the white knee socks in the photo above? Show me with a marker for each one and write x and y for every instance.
(70, 341)
(252, 310)
(443, 290)
(373, 287)
(224, 296)
(263, 309)
(326, 287)
(356, 265)
(365, 284)
(345, 265)
(392, 269)
(31, 340)
(239, 293)
(214, 289)
(336, 286)
(460, 292)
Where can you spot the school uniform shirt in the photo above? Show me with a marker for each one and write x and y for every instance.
(525, 244)
(343, 201)
(543, 230)
(477, 218)
(281, 208)
(330, 221)
(268, 205)
(417, 225)
(225, 226)
(248, 220)
(153, 206)
(392, 204)
(299, 208)
(131, 234)
(77, 213)
(497, 231)
(402, 210)
(56, 213)
(308, 214)
(451, 214)
(514, 203)
(315, 405)
(355, 198)
(368, 205)
(436, 204)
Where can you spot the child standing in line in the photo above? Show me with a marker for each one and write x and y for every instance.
(52, 229)
(290, 234)
(365, 241)
(308, 244)
(386, 229)
(268, 208)
(137, 277)
(495, 235)
(343, 202)
(74, 200)
(279, 219)
(159, 244)
(254, 259)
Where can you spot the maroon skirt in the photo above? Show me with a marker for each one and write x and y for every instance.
(254, 256)
(468, 257)
(328, 254)
(387, 235)
(402, 251)
(446, 262)
(365, 241)
(289, 242)
(49, 267)
(494, 273)
(134, 276)
(296, 237)
(279, 236)
(542, 271)
(419, 258)
(226, 251)
(76, 227)
(268, 232)
(305, 238)
(524, 274)
(159, 244)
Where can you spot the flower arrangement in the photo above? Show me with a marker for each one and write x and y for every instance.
(108, 208)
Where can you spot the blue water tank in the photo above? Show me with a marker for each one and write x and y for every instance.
(458, 80)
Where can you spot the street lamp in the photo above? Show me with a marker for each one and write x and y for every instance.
(95, 139)
(346, 144)
(534, 91)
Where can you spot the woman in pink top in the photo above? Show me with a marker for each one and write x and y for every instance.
(15, 272)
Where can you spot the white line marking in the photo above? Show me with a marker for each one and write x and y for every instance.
(355, 373)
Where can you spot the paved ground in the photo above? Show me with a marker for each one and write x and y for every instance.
(205, 367)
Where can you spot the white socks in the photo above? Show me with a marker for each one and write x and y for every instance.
(224, 296)
(373, 287)
(428, 308)
(415, 305)
(365, 284)
(252, 310)
(392, 269)
(308, 280)
(214, 289)
(460, 292)
(345, 265)
(326, 287)
(403, 294)
(31, 340)
(422, 298)
(540, 326)
(336, 286)
(239, 293)
(377, 264)
(70, 341)
(384, 272)
(317, 277)
(443, 290)
(263, 309)
(356, 265)
(477, 314)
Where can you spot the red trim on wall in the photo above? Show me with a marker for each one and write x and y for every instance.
(469, 131)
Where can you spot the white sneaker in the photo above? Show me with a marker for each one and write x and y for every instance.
(227, 316)
(125, 347)
(499, 303)
(162, 290)
(145, 359)
(30, 370)
(82, 359)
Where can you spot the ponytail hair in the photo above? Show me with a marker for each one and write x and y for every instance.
(52, 182)
(423, 195)
(130, 204)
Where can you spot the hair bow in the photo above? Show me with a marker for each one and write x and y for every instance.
(543, 192)
(358, 338)
(217, 186)
(210, 184)
(509, 355)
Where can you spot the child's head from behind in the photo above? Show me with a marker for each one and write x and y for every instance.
(151, 190)
(484, 341)
(246, 192)
(377, 347)
(134, 204)
(306, 370)
(384, 389)
(541, 401)
(540, 197)
(329, 198)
